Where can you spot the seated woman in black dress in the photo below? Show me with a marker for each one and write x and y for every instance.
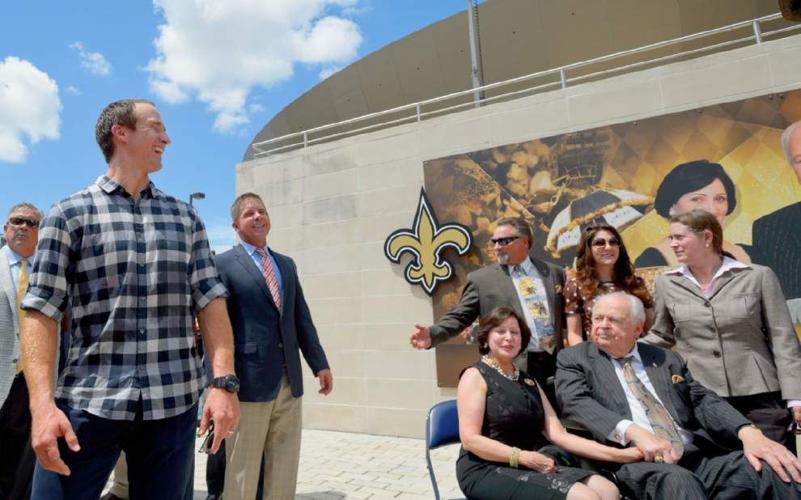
(506, 426)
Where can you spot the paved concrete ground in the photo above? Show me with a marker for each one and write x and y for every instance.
(337, 465)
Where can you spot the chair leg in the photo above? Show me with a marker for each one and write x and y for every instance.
(431, 474)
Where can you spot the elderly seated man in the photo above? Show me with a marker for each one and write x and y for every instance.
(626, 392)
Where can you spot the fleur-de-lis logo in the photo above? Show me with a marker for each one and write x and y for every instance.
(426, 241)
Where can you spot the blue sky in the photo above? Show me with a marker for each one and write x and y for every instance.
(217, 69)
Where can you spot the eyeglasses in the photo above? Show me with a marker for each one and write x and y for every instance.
(503, 241)
(22, 221)
(602, 242)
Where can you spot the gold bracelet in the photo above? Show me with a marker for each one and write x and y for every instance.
(514, 458)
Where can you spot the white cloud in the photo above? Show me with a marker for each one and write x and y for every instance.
(221, 235)
(30, 108)
(94, 62)
(217, 51)
(72, 90)
(328, 71)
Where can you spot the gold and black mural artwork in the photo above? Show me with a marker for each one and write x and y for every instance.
(612, 174)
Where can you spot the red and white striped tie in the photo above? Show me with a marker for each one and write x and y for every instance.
(269, 277)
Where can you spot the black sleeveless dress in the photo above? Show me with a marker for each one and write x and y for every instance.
(514, 416)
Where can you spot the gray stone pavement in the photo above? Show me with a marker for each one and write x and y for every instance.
(337, 465)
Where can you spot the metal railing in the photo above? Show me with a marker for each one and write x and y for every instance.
(540, 81)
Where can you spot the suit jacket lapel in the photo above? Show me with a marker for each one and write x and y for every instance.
(604, 371)
(7, 284)
(253, 270)
(658, 375)
(722, 281)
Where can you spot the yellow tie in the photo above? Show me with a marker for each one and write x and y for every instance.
(22, 287)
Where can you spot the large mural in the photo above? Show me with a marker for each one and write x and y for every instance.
(614, 173)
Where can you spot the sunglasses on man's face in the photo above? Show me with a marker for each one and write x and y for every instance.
(504, 241)
(22, 221)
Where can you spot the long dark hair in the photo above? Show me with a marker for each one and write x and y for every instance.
(623, 271)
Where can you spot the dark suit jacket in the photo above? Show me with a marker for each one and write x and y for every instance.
(590, 394)
(491, 287)
(777, 244)
(264, 340)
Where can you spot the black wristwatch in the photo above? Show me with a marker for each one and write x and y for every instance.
(228, 382)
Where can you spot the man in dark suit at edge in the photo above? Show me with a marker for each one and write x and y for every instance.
(637, 394)
(271, 322)
(519, 280)
(777, 237)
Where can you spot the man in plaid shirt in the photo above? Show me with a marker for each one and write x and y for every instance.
(130, 266)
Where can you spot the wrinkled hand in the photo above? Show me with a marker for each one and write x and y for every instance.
(653, 447)
(796, 410)
(421, 338)
(222, 407)
(757, 447)
(630, 455)
(536, 461)
(326, 382)
(48, 423)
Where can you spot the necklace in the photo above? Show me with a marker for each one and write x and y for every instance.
(493, 363)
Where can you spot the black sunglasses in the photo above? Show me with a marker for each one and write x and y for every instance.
(601, 242)
(20, 221)
(503, 241)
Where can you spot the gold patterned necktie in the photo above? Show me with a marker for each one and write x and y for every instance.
(22, 287)
(657, 414)
(535, 300)
(269, 276)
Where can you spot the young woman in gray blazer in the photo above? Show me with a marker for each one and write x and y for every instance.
(730, 322)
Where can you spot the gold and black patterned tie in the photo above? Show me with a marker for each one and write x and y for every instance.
(657, 414)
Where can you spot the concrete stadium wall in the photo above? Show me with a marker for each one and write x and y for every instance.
(333, 205)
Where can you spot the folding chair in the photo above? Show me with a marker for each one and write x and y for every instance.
(442, 428)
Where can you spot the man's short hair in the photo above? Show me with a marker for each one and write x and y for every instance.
(786, 139)
(236, 208)
(522, 226)
(636, 309)
(116, 113)
(25, 205)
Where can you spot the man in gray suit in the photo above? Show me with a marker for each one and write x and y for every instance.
(631, 393)
(21, 232)
(532, 287)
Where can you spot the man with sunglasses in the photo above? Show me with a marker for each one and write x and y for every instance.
(519, 280)
(21, 232)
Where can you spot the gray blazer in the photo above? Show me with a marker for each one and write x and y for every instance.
(491, 287)
(590, 394)
(738, 342)
(9, 328)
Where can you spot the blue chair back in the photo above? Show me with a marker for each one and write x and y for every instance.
(442, 427)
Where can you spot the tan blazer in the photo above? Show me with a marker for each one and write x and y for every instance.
(9, 328)
(738, 342)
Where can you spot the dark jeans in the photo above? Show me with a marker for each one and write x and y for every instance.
(159, 452)
(16, 456)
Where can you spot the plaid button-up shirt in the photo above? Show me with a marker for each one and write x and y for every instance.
(132, 274)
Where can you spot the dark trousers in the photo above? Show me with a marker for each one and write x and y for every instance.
(160, 457)
(728, 476)
(542, 366)
(16, 456)
(768, 412)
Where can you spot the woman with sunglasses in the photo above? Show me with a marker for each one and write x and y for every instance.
(602, 266)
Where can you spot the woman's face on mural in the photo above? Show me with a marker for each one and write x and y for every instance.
(712, 198)
(689, 247)
(605, 248)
